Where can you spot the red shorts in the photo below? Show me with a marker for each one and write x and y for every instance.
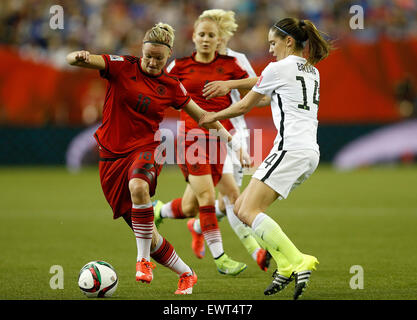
(201, 160)
(116, 171)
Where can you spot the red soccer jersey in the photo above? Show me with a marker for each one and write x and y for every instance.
(135, 103)
(194, 75)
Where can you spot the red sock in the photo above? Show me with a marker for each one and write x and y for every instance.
(167, 256)
(210, 230)
(177, 209)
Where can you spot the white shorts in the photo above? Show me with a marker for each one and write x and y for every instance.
(232, 166)
(285, 170)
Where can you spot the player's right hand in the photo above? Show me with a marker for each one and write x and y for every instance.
(83, 56)
(215, 89)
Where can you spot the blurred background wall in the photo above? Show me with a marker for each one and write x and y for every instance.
(367, 83)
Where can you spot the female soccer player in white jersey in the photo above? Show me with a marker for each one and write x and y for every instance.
(293, 84)
(232, 169)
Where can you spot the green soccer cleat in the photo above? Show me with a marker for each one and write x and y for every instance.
(157, 205)
(226, 265)
(278, 283)
(303, 274)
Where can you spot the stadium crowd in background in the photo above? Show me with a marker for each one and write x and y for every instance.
(116, 26)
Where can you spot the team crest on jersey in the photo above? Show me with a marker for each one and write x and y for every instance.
(116, 58)
(161, 90)
(220, 69)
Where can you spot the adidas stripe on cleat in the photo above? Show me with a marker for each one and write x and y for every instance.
(278, 283)
(302, 277)
(301, 280)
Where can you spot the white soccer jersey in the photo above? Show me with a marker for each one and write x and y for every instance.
(239, 122)
(294, 89)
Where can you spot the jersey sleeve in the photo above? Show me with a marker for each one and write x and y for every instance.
(267, 82)
(114, 65)
(181, 96)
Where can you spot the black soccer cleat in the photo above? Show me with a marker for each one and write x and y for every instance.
(301, 280)
(278, 283)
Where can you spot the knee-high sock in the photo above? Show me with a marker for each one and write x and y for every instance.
(142, 225)
(173, 210)
(219, 215)
(284, 267)
(244, 233)
(165, 254)
(271, 233)
(211, 231)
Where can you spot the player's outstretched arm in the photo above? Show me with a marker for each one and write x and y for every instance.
(221, 88)
(86, 60)
(195, 112)
(241, 107)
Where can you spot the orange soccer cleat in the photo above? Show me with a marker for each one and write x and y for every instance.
(186, 283)
(263, 259)
(144, 271)
(198, 240)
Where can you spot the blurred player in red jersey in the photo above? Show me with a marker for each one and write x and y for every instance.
(138, 92)
(232, 174)
(203, 66)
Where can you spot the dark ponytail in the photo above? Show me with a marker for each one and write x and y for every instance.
(304, 32)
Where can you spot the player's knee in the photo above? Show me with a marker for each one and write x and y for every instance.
(139, 190)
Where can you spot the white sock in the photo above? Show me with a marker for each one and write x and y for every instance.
(166, 211)
(219, 214)
(143, 230)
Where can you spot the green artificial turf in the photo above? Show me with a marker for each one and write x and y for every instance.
(367, 217)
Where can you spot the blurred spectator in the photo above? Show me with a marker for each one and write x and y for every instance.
(115, 26)
(406, 97)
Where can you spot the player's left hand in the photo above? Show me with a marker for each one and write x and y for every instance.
(215, 89)
(244, 158)
(207, 118)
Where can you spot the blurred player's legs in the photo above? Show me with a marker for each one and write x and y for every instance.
(228, 187)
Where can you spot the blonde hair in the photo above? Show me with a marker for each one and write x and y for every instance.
(161, 33)
(225, 21)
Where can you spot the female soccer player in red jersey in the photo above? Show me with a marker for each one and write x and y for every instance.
(232, 170)
(194, 72)
(138, 92)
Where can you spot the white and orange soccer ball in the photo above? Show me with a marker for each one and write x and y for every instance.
(98, 279)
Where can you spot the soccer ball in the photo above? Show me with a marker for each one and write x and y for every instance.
(98, 279)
